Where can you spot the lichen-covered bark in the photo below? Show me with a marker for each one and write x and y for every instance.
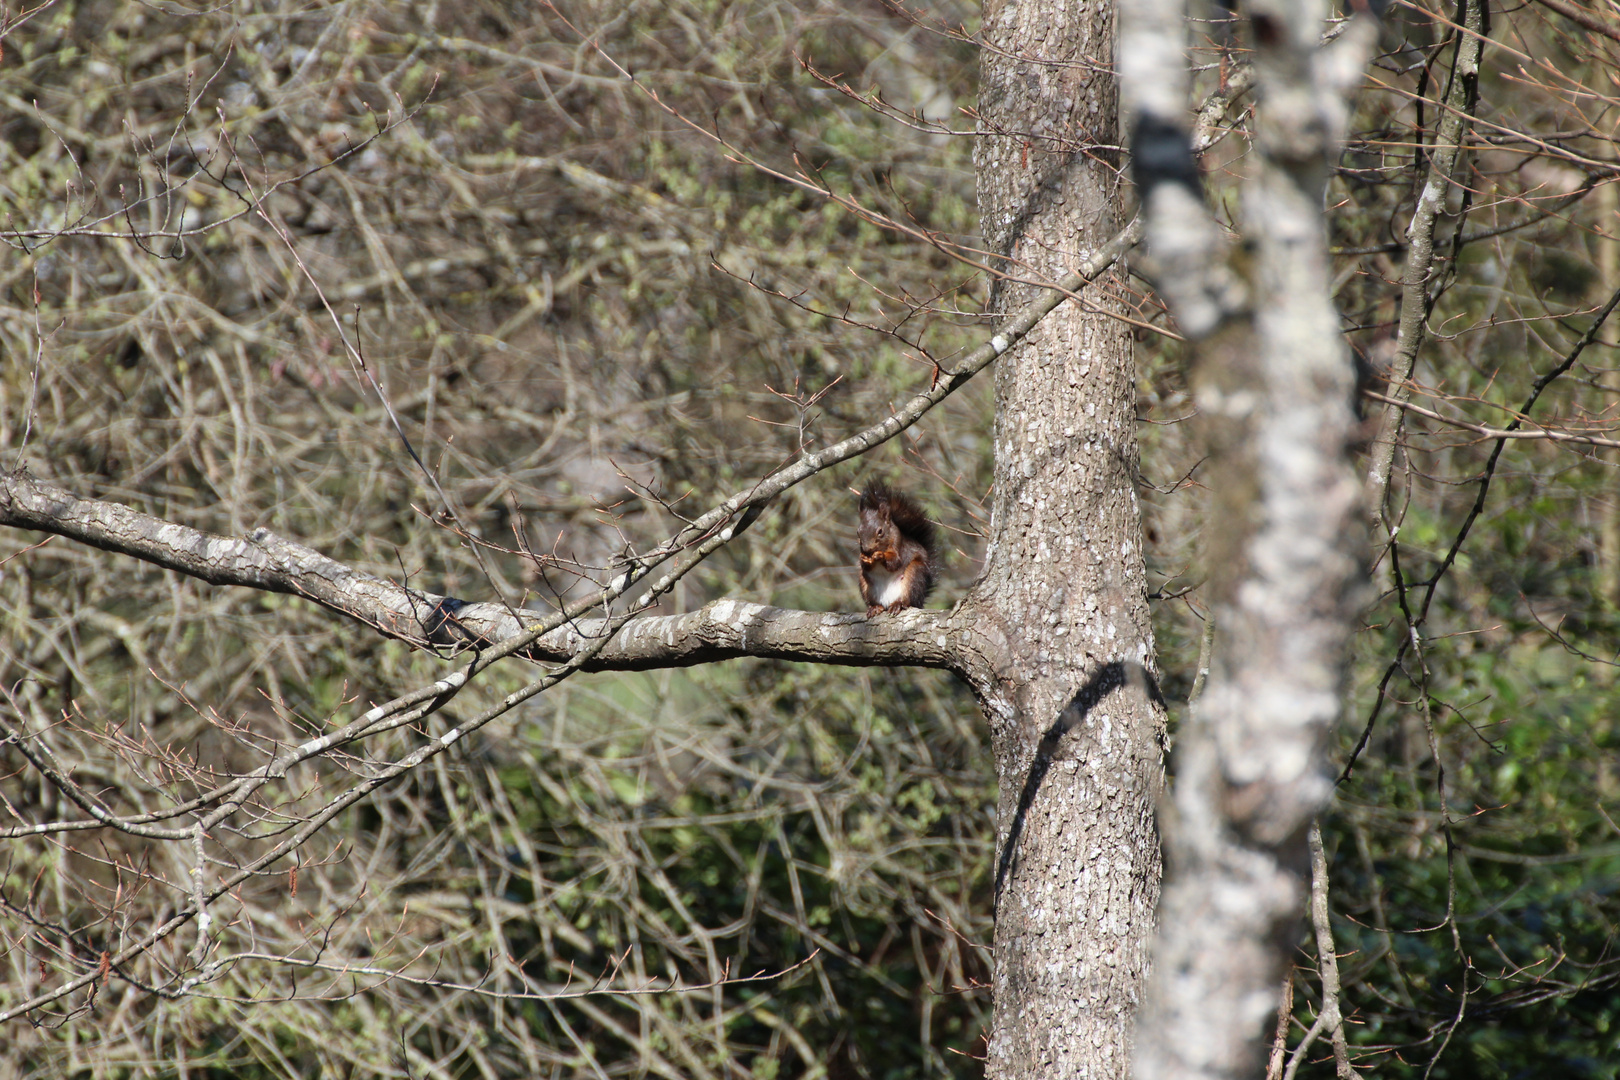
(1273, 383)
(1073, 720)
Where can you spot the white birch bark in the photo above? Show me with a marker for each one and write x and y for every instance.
(1274, 385)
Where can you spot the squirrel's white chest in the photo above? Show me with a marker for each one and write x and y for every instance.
(887, 588)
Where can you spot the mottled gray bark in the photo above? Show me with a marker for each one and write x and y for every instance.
(1075, 724)
(1273, 380)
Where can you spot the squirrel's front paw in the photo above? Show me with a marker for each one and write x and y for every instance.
(873, 610)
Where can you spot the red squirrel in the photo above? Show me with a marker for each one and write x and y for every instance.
(899, 554)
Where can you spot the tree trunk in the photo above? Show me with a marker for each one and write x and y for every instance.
(1075, 721)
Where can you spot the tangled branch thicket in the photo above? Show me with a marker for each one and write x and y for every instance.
(524, 249)
(588, 321)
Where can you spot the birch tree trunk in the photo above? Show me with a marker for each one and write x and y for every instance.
(1274, 385)
(1075, 725)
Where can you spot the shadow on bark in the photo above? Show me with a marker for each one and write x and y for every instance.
(1110, 677)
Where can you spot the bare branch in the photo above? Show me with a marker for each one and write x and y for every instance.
(1416, 286)
(1327, 964)
(1582, 17)
(1486, 432)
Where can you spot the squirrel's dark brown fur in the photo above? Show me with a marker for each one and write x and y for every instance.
(899, 554)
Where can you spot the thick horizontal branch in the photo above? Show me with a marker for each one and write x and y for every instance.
(261, 560)
(726, 629)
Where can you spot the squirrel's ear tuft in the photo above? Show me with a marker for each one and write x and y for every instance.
(875, 495)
